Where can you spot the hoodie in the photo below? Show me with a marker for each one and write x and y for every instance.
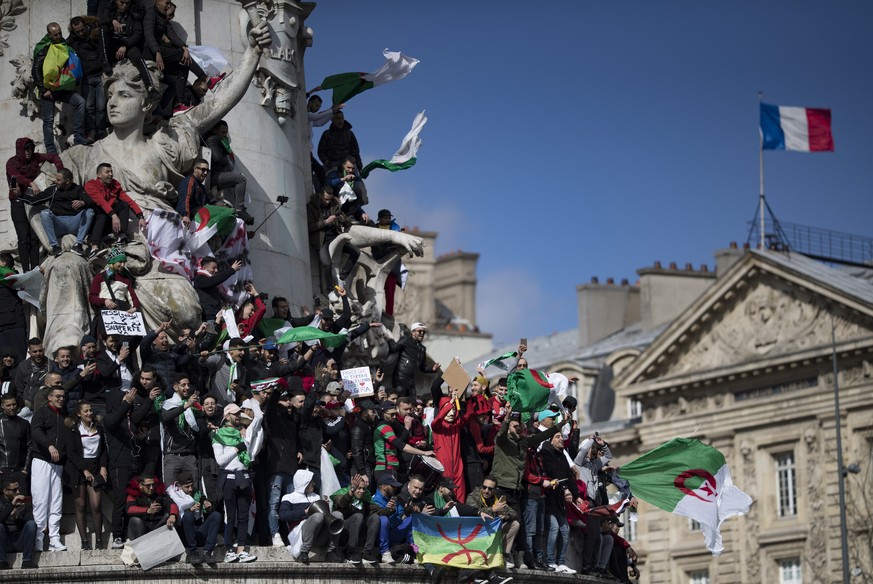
(294, 505)
(24, 171)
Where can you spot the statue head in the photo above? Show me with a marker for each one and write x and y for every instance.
(127, 100)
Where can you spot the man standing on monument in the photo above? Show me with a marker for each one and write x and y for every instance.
(338, 142)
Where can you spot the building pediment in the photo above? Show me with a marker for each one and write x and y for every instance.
(762, 311)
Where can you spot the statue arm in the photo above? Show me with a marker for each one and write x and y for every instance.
(230, 91)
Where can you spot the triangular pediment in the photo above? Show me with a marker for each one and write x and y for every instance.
(762, 311)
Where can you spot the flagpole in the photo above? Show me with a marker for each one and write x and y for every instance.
(761, 166)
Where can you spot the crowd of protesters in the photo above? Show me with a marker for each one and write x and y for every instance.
(186, 429)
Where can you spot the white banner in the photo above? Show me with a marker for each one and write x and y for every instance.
(119, 322)
(357, 381)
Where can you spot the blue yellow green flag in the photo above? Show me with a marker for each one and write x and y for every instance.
(460, 542)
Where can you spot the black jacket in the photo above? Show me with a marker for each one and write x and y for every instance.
(281, 438)
(15, 442)
(411, 358)
(48, 429)
(88, 50)
(14, 518)
(363, 453)
(29, 378)
(131, 34)
(337, 143)
(556, 468)
(179, 438)
(211, 299)
(122, 426)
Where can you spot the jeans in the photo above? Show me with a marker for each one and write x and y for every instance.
(534, 514)
(95, 105)
(18, 542)
(60, 225)
(203, 535)
(28, 242)
(48, 117)
(235, 180)
(280, 484)
(314, 532)
(558, 525)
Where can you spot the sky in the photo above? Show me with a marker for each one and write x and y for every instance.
(571, 139)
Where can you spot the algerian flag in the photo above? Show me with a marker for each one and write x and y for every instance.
(210, 219)
(527, 390)
(308, 333)
(498, 361)
(28, 284)
(686, 477)
(405, 156)
(347, 85)
(269, 326)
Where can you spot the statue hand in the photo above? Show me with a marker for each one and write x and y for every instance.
(259, 37)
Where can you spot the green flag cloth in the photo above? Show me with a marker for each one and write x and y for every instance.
(405, 156)
(690, 478)
(527, 390)
(308, 333)
(229, 436)
(4, 271)
(347, 85)
(268, 326)
(223, 219)
(498, 361)
(387, 165)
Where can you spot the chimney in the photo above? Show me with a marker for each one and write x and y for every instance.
(606, 308)
(666, 292)
(725, 258)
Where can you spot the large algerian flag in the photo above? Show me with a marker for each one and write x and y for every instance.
(405, 156)
(347, 85)
(308, 333)
(498, 361)
(28, 285)
(463, 542)
(528, 390)
(686, 477)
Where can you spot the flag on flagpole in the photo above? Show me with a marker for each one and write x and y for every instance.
(347, 85)
(528, 390)
(498, 361)
(461, 542)
(690, 478)
(405, 157)
(801, 129)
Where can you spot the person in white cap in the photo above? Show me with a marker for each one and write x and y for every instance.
(412, 357)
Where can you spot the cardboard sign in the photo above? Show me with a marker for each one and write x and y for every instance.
(119, 322)
(156, 547)
(357, 381)
(455, 376)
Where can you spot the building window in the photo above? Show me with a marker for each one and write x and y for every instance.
(786, 484)
(790, 572)
(634, 408)
(693, 525)
(698, 577)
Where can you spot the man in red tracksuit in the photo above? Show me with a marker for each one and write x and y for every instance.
(112, 204)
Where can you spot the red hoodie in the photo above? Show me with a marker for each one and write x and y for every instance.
(24, 171)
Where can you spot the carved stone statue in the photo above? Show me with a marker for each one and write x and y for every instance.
(147, 165)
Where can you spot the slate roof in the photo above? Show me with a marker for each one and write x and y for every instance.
(852, 281)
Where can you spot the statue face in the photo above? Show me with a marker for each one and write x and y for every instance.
(125, 105)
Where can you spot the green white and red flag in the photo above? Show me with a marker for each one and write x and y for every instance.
(347, 85)
(498, 361)
(690, 478)
(405, 157)
(528, 390)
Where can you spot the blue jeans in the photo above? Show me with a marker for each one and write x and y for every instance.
(203, 535)
(558, 525)
(57, 226)
(48, 117)
(534, 515)
(280, 484)
(95, 105)
(389, 536)
(22, 541)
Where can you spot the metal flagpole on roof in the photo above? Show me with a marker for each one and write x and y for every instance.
(761, 165)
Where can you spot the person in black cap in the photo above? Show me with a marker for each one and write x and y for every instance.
(395, 527)
(283, 454)
(363, 452)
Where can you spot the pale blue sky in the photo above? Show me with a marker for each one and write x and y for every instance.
(575, 139)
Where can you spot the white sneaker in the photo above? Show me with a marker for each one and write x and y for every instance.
(57, 546)
(246, 557)
(509, 564)
(230, 556)
(277, 540)
(565, 569)
(387, 558)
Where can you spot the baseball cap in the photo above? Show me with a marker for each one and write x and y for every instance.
(418, 325)
(546, 414)
(327, 314)
(387, 405)
(384, 213)
(334, 388)
(388, 479)
(231, 409)
(448, 483)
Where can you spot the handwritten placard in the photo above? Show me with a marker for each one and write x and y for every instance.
(156, 547)
(119, 322)
(357, 381)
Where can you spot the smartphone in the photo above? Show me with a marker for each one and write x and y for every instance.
(28, 500)
(523, 342)
(125, 344)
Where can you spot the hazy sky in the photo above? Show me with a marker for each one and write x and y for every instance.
(571, 139)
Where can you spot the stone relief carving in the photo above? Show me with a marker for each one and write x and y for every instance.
(23, 86)
(9, 9)
(817, 541)
(750, 484)
(278, 75)
(772, 320)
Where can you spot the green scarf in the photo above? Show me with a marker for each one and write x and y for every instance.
(230, 436)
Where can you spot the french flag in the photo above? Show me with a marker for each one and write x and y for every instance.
(801, 129)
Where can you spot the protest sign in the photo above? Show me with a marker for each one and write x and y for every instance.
(156, 547)
(455, 376)
(357, 381)
(119, 322)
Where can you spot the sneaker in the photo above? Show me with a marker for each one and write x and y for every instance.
(98, 543)
(39, 543)
(230, 556)
(78, 250)
(92, 251)
(509, 563)
(387, 558)
(334, 557)
(565, 569)
(117, 544)
(86, 544)
(245, 557)
(56, 250)
(209, 557)
(370, 557)
(353, 556)
(277, 540)
(540, 565)
(552, 567)
(245, 216)
(28, 565)
(57, 546)
(500, 579)
(194, 557)
(302, 558)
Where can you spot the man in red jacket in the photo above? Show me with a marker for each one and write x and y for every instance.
(149, 506)
(112, 203)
